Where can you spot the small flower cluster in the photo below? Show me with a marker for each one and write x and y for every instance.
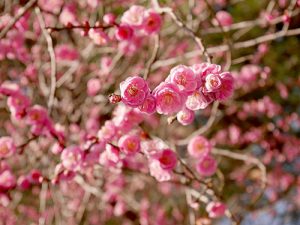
(200, 148)
(136, 22)
(184, 91)
(35, 116)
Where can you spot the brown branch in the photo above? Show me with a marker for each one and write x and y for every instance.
(247, 24)
(179, 22)
(52, 58)
(20, 13)
(247, 159)
(153, 56)
(71, 27)
(223, 48)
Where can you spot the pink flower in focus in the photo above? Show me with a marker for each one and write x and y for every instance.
(216, 209)
(198, 100)
(134, 16)
(124, 32)
(129, 144)
(152, 22)
(134, 91)
(224, 18)
(7, 147)
(93, 86)
(167, 159)
(212, 82)
(207, 165)
(226, 88)
(203, 69)
(149, 105)
(71, 158)
(7, 180)
(169, 99)
(185, 116)
(198, 146)
(183, 77)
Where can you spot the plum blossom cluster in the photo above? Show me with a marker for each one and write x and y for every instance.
(200, 149)
(184, 91)
(119, 144)
(22, 110)
(135, 24)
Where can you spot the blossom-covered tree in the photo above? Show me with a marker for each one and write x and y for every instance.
(149, 112)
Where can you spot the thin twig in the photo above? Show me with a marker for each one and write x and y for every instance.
(223, 48)
(43, 198)
(181, 24)
(247, 159)
(20, 13)
(153, 56)
(247, 24)
(52, 58)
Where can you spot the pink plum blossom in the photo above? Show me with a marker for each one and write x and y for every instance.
(7, 147)
(224, 18)
(216, 209)
(152, 22)
(93, 86)
(158, 172)
(167, 159)
(71, 158)
(124, 32)
(206, 165)
(66, 52)
(198, 100)
(149, 105)
(213, 82)
(226, 88)
(109, 18)
(169, 99)
(7, 180)
(183, 77)
(134, 16)
(129, 144)
(134, 91)
(98, 36)
(198, 146)
(185, 116)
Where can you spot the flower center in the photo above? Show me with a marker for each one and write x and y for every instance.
(199, 147)
(150, 22)
(35, 116)
(132, 90)
(206, 164)
(168, 98)
(181, 80)
(214, 82)
(165, 160)
(131, 146)
(3, 149)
